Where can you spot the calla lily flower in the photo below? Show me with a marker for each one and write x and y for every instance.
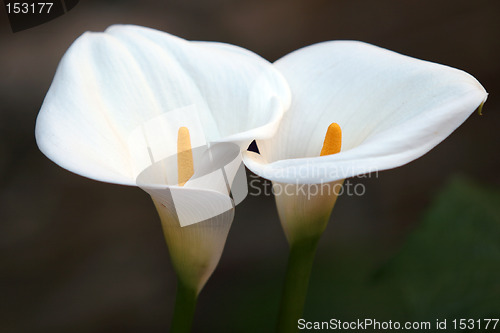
(122, 101)
(391, 109)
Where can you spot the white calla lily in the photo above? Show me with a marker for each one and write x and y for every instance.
(110, 84)
(391, 108)
(113, 113)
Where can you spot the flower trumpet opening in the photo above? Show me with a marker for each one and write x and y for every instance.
(199, 179)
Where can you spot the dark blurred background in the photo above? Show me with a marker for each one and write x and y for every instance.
(423, 242)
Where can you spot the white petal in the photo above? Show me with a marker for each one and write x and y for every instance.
(392, 109)
(109, 85)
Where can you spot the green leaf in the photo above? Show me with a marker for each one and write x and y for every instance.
(450, 265)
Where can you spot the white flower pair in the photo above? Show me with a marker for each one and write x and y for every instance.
(119, 98)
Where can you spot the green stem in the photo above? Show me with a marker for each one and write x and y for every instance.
(299, 267)
(185, 305)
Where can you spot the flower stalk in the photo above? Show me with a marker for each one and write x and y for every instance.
(298, 271)
(184, 309)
